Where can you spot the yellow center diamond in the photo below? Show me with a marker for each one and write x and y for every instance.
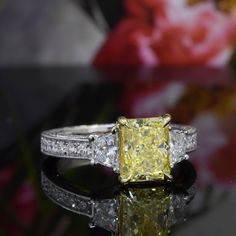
(144, 149)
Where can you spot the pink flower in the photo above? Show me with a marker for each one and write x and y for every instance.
(170, 33)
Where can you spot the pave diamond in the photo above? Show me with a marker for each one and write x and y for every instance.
(144, 149)
(65, 148)
(105, 149)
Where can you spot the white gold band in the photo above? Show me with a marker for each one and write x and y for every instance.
(98, 144)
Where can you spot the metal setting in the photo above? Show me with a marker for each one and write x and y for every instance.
(100, 143)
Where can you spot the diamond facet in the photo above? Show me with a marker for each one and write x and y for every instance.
(106, 150)
(144, 153)
(105, 214)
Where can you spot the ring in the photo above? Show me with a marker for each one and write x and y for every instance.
(125, 212)
(143, 149)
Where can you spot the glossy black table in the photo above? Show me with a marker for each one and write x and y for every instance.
(35, 99)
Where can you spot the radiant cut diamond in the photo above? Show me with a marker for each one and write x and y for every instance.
(144, 153)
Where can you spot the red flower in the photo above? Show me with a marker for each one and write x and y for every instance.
(147, 9)
(127, 45)
(170, 33)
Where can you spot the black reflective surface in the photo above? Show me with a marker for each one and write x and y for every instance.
(32, 100)
(141, 209)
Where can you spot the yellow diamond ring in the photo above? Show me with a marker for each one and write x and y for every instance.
(142, 149)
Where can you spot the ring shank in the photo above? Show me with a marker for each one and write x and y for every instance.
(75, 142)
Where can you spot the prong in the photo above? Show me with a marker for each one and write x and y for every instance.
(92, 224)
(122, 121)
(168, 177)
(92, 162)
(186, 157)
(91, 138)
(130, 195)
(114, 129)
(167, 119)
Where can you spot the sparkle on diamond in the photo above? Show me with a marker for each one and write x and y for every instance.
(144, 149)
(105, 150)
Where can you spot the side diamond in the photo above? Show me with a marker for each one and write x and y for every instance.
(177, 146)
(105, 149)
(65, 148)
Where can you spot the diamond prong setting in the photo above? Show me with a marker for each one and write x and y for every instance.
(152, 145)
(166, 120)
(122, 121)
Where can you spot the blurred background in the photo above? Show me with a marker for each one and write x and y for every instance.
(83, 62)
(147, 32)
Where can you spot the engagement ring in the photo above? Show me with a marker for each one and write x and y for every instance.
(143, 149)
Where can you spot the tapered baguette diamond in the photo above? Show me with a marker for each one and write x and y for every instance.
(105, 150)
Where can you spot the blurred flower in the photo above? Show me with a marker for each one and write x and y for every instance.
(23, 203)
(170, 33)
(226, 5)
